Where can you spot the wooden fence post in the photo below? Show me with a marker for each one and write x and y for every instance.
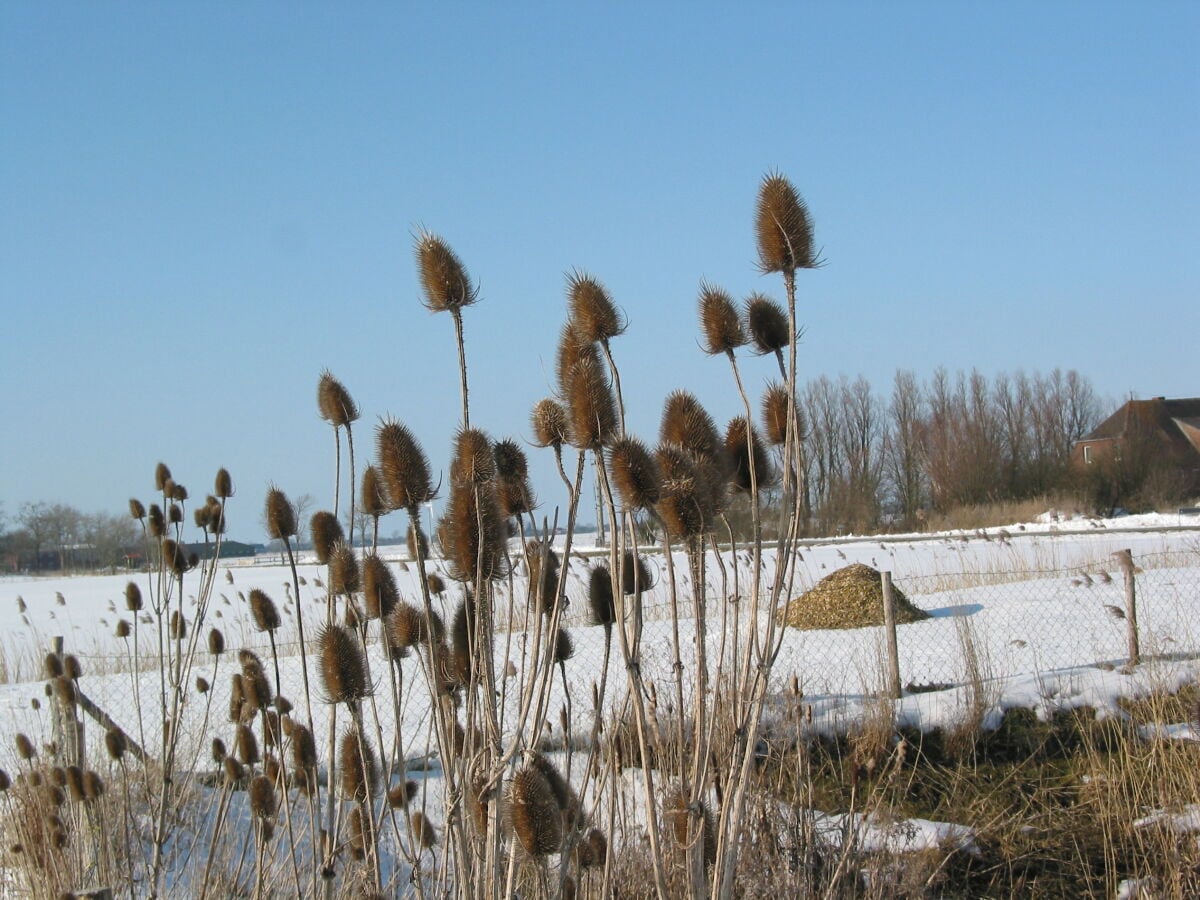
(1133, 650)
(889, 627)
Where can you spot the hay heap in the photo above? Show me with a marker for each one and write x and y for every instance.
(849, 598)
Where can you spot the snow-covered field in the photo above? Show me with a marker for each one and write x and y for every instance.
(1036, 601)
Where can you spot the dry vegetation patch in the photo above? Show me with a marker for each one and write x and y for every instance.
(851, 597)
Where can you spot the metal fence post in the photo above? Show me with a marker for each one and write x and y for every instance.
(889, 628)
(1133, 651)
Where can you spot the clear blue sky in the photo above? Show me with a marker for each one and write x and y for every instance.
(203, 205)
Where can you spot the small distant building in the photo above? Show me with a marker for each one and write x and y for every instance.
(1162, 433)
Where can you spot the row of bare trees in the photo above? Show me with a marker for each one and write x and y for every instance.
(951, 440)
(56, 536)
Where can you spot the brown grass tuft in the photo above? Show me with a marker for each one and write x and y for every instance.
(592, 310)
(343, 667)
(783, 227)
(280, 514)
(720, 324)
(334, 402)
(380, 593)
(326, 533)
(444, 279)
(402, 465)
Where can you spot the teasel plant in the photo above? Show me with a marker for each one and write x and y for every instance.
(598, 321)
(447, 288)
(338, 408)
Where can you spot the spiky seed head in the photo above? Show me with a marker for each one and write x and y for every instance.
(334, 402)
(156, 522)
(283, 705)
(686, 422)
(564, 646)
(202, 684)
(256, 687)
(379, 587)
(52, 666)
(218, 751)
(162, 475)
(535, 813)
(682, 506)
(423, 831)
(74, 784)
(783, 227)
(133, 597)
(280, 515)
(720, 324)
(223, 484)
(549, 423)
(744, 449)
(201, 515)
(406, 629)
(635, 574)
(5, 781)
(473, 462)
(178, 492)
(767, 323)
(262, 608)
(444, 279)
(272, 769)
(473, 533)
(178, 629)
(513, 489)
(600, 596)
(124, 629)
(585, 388)
(271, 728)
(234, 770)
(400, 795)
(263, 801)
(175, 514)
(402, 466)
(592, 310)
(72, 667)
(343, 569)
(373, 501)
(136, 509)
(115, 743)
(416, 542)
(593, 849)
(237, 697)
(360, 770)
(775, 415)
(635, 473)
(343, 667)
(437, 585)
(677, 812)
(247, 745)
(64, 691)
(93, 786)
(304, 757)
(543, 580)
(356, 839)
(326, 533)
(216, 641)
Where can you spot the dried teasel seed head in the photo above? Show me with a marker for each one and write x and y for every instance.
(24, 745)
(400, 795)
(234, 770)
(423, 831)
(783, 227)
(444, 279)
(237, 697)
(678, 815)
(564, 794)
(437, 585)
(417, 543)
(216, 641)
(535, 814)
(156, 522)
(64, 690)
(513, 489)
(202, 515)
(175, 514)
(720, 324)
(593, 849)
(592, 310)
(52, 666)
(256, 686)
(115, 743)
(379, 587)
(343, 569)
(72, 667)
(600, 596)
(686, 423)
(5, 781)
(280, 514)
(473, 462)
(585, 388)
(178, 492)
(635, 474)
(136, 509)
(775, 415)
(304, 756)
(374, 500)
(263, 610)
(326, 533)
(133, 597)
(218, 751)
(767, 323)
(124, 629)
(543, 578)
(359, 768)
(247, 745)
(473, 533)
(549, 423)
(263, 801)
(356, 837)
(223, 484)
(202, 685)
(93, 786)
(406, 628)
(174, 557)
(746, 449)
(343, 667)
(178, 626)
(74, 784)
(564, 646)
(162, 475)
(403, 467)
(635, 574)
(334, 402)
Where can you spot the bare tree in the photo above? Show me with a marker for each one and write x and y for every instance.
(905, 460)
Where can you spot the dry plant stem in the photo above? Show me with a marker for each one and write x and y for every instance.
(351, 492)
(462, 364)
(616, 377)
(636, 691)
(287, 545)
(218, 826)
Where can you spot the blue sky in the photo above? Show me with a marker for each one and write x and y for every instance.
(203, 206)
